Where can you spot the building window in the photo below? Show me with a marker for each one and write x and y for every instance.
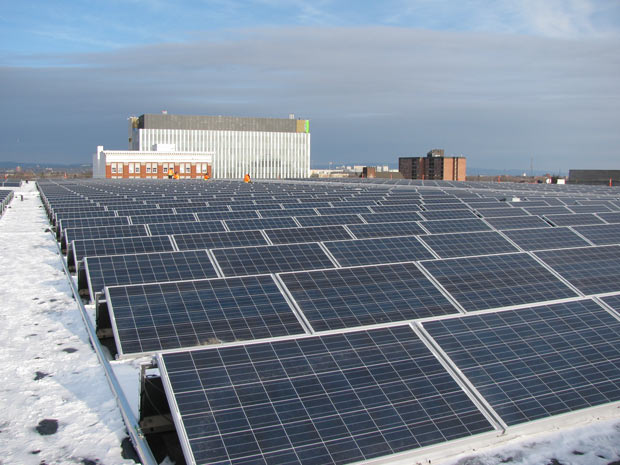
(148, 168)
(130, 168)
(137, 167)
(165, 168)
(154, 168)
(182, 168)
(188, 168)
(113, 168)
(120, 168)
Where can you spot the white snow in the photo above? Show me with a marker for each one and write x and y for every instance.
(42, 332)
(41, 324)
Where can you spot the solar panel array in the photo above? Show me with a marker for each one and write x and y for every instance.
(335, 321)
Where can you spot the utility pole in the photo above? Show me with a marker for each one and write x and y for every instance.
(532, 167)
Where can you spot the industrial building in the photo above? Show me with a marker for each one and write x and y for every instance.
(435, 166)
(606, 177)
(222, 146)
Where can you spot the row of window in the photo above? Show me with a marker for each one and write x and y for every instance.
(151, 168)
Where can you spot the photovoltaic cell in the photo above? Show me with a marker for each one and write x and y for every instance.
(589, 208)
(260, 223)
(225, 215)
(117, 246)
(517, 222)
(453, 226)
(447, 214)
(186, 228)
(218, 240)
(600, 234)
(288, 212)
(309, 234)
(153, 317)
(613, 217)
(545, 238)
(328, 219)
(556, 210)
(390, 217)
(154, 218)
(348, 297)
(346, 210)
(120, 230)
(592, 270)
(379, 250)
(242, 261)
(326, 400)
(537, 362)
(574, 219)
(146, 268)
(405, 228)
(464, 244)
(501, 212)
(494, 281)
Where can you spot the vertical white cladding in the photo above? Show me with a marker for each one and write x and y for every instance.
(262, 154)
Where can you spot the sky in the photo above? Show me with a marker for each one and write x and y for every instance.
(506, 83)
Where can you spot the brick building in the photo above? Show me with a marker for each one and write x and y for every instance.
(435, 166)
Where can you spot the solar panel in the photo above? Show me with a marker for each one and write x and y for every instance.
(309, 234)
(212, 216)
(151, 317)
(574, 220)
(589, 208)
(348, 210)
(100, 232)
(330, 399)
(592, 270)
(92, 222)
(602, 234)
(116, 246)
(155, 218)
(390, 217)
(379, 250)
(545, 238)
(447, 226)
(218, 240)
(242, 261)
(406, 228)
(536, 362)
(517, 222)
(613, 217)
(557, 210)
(411, 207)
(444, 206)
(464, 244)
(288, 212)
(144, 210)
(201, 208)
(260, 223)
(186, 228)
(447, 214)
(158, 267)
(328, 219)
(349, 297)
(495, 281)
(500, 212)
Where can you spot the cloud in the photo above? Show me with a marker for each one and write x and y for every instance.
(372, 93)
(548, 18)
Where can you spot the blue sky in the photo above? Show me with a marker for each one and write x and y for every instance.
(497, 81)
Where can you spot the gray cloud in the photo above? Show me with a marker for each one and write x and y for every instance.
(372, 94)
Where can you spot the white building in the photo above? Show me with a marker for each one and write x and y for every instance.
(263, 147)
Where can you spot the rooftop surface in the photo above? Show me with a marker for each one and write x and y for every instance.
(72, 416)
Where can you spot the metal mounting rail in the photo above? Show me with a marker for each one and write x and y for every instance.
(131, 423)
